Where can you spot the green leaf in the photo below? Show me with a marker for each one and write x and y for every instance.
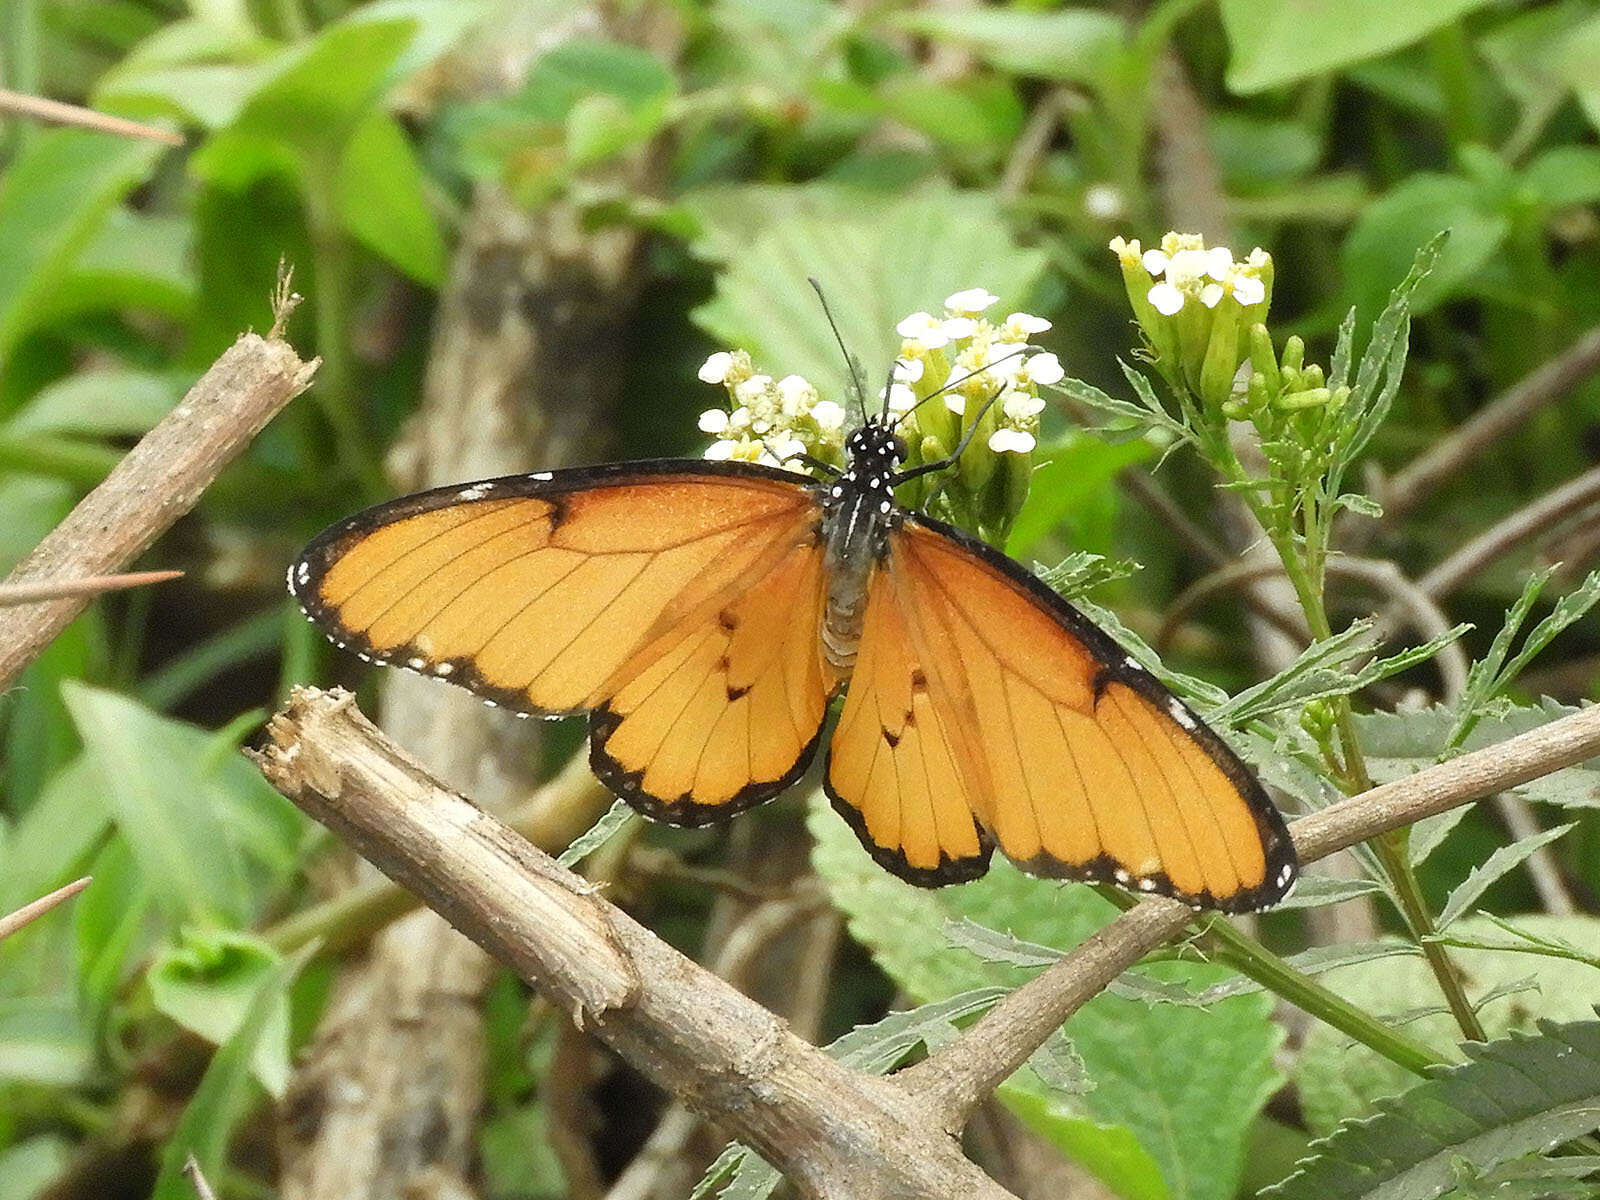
(1384, 241)
(1337, 1078)
(1083, 571)
(1511, 1098)
(43, 1041)
(1565, 176)
(28, 1167)
(51, 843)
(208, 982)
(53, 199)
(1071, 474)
(1316, 891)
(136, 261)
(112, 402)
(1275, 42)
(1074, 45)
(906, 258)
(302, 116)
(161, 806)
(225, 1091)
(114, 929)
(382, 202)
(208, 832)
(1141, 1064)
(1505, 859)
(586, 843)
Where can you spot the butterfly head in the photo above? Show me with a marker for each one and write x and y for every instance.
(875, 450)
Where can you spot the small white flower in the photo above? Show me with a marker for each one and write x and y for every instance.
(1025, 323)
(971, 301)
(1166, 299)
(1211, 294)
(1248, 290)
(1187, 266)
(901, 398)
(1154, 261)
(1015, 441)
(1128, 252)
(715, 368)
(1045, 368)
(828, 415)
(955, 329)
(1021, 406)
(1219, 262)
(956, 403)
(909, 370)
(1103, 201)
(738, 420)
(751, 390)
(924, 329)
(795, 395)
(719, 450)
(713, 420)
(788, 449)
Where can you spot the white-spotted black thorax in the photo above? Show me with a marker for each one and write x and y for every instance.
(858, 511)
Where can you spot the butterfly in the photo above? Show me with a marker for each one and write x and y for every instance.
(704, 615)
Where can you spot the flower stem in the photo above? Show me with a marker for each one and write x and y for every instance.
(1390, 847)
(1249, 957)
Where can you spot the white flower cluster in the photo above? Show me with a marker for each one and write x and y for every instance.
(772, 421)
(1183, 269)
(975, 359)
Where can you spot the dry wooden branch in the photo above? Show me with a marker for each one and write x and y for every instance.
(14, 921)
(833, 1131)
(158, 481)
(960, 1076)
(1528, 522)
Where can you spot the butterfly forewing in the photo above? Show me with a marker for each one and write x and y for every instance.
(676, 601)
(1078, 762)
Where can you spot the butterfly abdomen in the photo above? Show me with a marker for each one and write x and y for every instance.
(858, 512)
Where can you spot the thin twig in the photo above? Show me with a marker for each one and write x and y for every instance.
(1528, 522)
(959, 1076)
(158, 481)
(1420, 478)
(12, 922)
(60, 113)
(202, 1189)
(12, 594)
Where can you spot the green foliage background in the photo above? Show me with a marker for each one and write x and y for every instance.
(900, 152)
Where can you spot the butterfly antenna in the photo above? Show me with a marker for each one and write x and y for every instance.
(966, 440)
(857, 388)
(957, 382)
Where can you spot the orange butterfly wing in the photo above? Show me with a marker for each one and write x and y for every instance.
(1072, 758)
(676, 601)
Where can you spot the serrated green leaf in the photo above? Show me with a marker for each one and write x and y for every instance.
(1511, 1098)
(1400, 744)
(1504, 860)
(908, 257)
(1337, 1079)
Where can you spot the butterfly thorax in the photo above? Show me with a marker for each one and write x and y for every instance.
(858, 511)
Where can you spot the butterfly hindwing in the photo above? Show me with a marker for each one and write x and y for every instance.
(676, 601)
(1079, 763)
(896, 769)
